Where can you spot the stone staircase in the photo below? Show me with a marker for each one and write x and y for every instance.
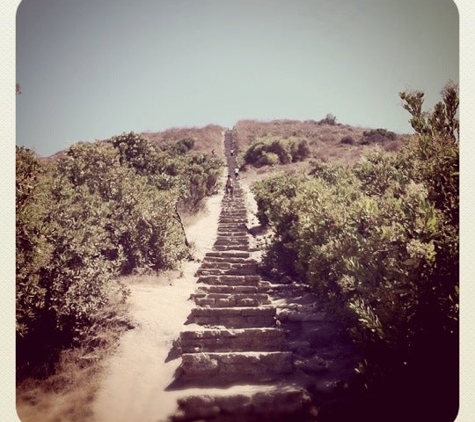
(235, 362)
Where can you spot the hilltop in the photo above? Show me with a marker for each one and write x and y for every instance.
(328, 140)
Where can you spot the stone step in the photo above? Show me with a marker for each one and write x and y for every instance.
(231, 239)
(280, 403)
(232, 367)
(228, 254)
(233, 225)
(229, 259)
(236, 209)
(233, 233)
(236, 317)
(233, 270)
(222, 300)
(260, 288)
(230, 280)
(236, 231)
(231, 247)
(228, 242)
(237, 340)
(227, 265)
(235, 214)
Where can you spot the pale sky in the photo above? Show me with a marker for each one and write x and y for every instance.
(92, 69)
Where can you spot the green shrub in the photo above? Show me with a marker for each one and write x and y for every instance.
(377, 136)
(330, 119)
(348, 140)
(378, 242)
(102, 209)
(263, 151)
(268, 159)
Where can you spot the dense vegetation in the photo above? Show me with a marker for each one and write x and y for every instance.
(99, 210)
(378, 240)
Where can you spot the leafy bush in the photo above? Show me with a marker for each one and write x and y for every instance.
(330, 119)
(275, 150)
(267, 159)
(100, 210)
(377, 136)
(62, 276)
(347, 140)
(379, 242)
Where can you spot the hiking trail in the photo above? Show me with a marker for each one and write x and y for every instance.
(251, 350)
(220, 343)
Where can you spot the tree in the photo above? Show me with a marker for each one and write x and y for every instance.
(442, 122)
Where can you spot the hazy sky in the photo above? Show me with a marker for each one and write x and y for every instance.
(92, 69)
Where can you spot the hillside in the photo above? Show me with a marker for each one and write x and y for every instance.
(206, 139)
(328, 141)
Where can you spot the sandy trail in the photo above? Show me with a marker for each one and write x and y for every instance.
(135, 377)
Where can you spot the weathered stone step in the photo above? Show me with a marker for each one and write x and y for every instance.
(233, 225)
(231, 247)
(221, 300)
(234, 212)
(235, 269)
(232, 219)
(226, 265)
(234, 233)
(232, 367)
(228, 242)
(228, 254)
(242, 317)
(236, 216)
(232, 239)
(238, 340)
(229, 218)
(230, 280)
(260, 288)
(281, 403)
(229, 259)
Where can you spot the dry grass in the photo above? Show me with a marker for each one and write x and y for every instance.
(324, 139)
(206, 138)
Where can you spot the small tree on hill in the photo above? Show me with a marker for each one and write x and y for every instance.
(442, 121)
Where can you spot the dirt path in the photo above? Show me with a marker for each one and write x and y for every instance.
(137, 374)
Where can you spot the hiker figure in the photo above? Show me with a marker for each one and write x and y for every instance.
(232, 152)
(236, 172)
(230, 186)
(212, 152)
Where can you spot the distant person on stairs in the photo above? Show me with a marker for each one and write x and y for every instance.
(230, 186)
(236, 172)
